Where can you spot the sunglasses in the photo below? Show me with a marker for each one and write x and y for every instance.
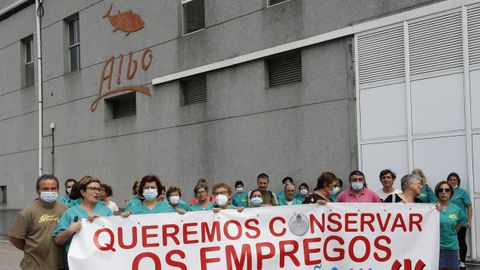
(444, 190)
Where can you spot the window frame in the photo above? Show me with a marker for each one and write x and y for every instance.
(183, 24)
(73, 22)
(27, 50)
(276, 4)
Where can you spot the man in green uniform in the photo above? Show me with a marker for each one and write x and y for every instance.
(34, 225)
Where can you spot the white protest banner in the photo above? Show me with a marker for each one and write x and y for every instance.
(335, 236)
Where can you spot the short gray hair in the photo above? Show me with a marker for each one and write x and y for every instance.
(409, 178)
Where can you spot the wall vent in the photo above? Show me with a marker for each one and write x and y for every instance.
(436, 43)
(474, 35)
(194, 89)
(381, 55)
(284, 68)
(123, 105)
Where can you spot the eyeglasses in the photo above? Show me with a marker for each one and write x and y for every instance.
(94, 188)
(221, 192)
(444, 190)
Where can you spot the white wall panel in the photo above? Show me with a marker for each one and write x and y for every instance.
(437, 104)
(383, 111)
(437, 157)
(476, 163)
(376, 157)
(475, 97)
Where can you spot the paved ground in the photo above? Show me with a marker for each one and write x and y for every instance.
(10, 257)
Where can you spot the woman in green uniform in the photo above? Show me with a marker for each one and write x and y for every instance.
(451, 218)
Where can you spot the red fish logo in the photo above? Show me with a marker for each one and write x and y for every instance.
(127, 22)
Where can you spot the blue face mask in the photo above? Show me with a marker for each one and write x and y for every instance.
(257, 201)
(357, 186)
(48, 196)
(150, 194)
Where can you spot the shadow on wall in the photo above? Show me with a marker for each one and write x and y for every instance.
(7, 218)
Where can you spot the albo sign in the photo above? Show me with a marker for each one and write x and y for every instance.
(113, 69)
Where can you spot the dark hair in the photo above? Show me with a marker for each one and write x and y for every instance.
(287, 178)
(70, 180)
(239, 182)
(263, 175)
(253, 191)
(437, 187)
(149, 179)
(108, 190)
(340, 182)
(75, 192)
(172, 189)
(326, 179)
(45, 177)
(454, 174)
(303, 185)
(387, 171)
(134, 187)
(355, 172)
(82, 186)
(291, 184)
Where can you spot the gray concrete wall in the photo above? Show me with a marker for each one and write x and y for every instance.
(245, 128)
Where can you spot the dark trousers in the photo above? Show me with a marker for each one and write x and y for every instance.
(462, 234)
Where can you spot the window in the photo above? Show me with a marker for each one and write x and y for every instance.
(123, 105)
(194, 89)
(284, 68)
(193, 13)
(74, 43)
(29, 68)
(3, 194)
(274, 2)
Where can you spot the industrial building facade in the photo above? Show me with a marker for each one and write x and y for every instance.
(227, 89)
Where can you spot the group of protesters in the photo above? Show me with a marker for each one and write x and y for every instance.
(44, 228)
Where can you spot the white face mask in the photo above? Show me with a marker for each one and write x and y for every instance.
(257, 201)
(174, 199)
(334, 191)
(48, 196)
(357, 186)
(150, 194)
(304, 191)
(69, 190)
(221, 200)
(239, 189)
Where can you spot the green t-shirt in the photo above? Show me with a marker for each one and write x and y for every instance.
(183, 205)
(461, 199)
(160, 207)
(427, 195)
(133, 201)
(198, 207)
(449, 218)
(69, 202)
(78, 211)
(240, 200)
(295, 201)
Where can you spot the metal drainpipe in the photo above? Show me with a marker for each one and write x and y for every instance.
(39, 13)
